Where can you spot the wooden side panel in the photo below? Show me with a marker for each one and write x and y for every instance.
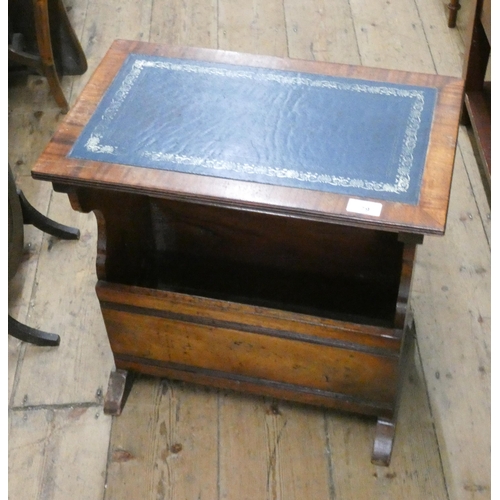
(223, 312)
(238, 350)
(267, 259)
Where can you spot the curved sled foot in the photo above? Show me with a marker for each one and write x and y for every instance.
(119, 386)
(384, 439)
(32, 335)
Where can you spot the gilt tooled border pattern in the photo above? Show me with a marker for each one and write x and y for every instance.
(405, 162)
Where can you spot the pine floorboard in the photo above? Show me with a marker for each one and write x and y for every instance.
(179, 441)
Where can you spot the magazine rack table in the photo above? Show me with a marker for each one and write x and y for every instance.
(258, 218)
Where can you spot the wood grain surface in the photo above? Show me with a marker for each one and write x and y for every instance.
(429, 216)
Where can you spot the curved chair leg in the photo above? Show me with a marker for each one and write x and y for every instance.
(32, 216)
(21, 212)
(32, 335)
(42, 27)
(453, 7)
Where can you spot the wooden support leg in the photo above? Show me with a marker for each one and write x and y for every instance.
(386, 427)
(48, 65)
(119, 386)
(453, 7)
(384, 440)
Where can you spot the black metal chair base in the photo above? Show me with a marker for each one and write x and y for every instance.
(27, 214)
(32, 335)
(32, 216)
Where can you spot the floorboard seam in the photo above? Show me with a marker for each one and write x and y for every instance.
(62, 406)
(429, 47)
(108, 460)
(331, 482)
(355, 33)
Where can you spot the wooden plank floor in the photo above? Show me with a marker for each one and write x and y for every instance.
(178, 441)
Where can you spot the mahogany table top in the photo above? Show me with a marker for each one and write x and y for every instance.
(321, 141)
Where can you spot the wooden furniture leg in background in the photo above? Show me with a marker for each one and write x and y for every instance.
(476, 112)
(42, 38)
(453, 7)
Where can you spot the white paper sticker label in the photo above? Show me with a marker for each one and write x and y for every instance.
(364, 207)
